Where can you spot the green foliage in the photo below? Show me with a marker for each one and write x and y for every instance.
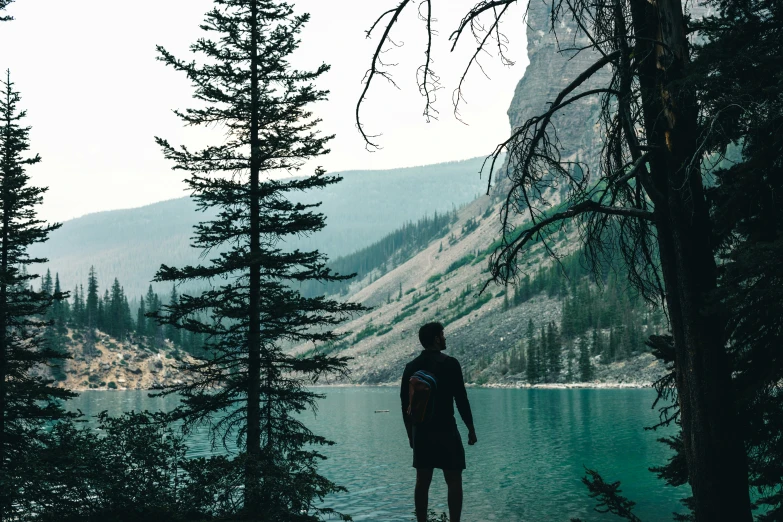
(470, 225)
(464, 304)
(132, 468)
(434, 279)
(393, 249)
(608, 497)
(459, 263)
(383, 331)
(404, 315)
(585, 366)
(246, 387)
(368, 331)
(27, 400)
(434, 517)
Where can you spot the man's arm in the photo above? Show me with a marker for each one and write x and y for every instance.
(404, 402)
(463, 406)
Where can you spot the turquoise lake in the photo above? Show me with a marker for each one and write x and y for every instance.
(532, 449)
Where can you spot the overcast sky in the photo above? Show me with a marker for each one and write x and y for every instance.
(96, 96)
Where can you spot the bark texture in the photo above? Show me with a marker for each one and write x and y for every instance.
(717, 464)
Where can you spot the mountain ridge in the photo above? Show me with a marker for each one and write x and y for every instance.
(131, 244)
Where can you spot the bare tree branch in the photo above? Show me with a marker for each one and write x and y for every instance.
(474, 13)
(430, 82)
(457, 95)
(375, 67)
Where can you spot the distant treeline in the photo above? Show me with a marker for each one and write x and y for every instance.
(87, 310)
(385, 254)
(608, 319)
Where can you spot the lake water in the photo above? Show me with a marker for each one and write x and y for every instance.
(533, 446)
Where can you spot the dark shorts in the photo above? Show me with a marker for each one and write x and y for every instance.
(438, 448)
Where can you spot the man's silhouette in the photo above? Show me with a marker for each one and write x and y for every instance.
(436, 442)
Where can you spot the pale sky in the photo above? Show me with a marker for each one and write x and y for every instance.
(96, 96)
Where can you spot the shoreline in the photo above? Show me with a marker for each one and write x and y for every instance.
(499, 386)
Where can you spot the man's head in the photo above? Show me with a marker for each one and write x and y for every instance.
(431, 337)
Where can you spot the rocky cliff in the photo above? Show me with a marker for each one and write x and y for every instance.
(552, 67)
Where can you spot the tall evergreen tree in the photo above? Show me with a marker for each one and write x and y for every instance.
(544, 370)
(247, 381)
(554, 351)
(141, 319)
(585, 366)
(116, 323)
(153, 306)
(570, 362)
(47, 285)
(172, 332)
(104, 318)
(92, 299)
(597, 345)
(27, 400)
(79, 313)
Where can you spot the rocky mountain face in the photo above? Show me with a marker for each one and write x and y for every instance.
(111, 364)
(553, 66)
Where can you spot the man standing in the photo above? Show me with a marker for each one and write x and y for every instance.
(436, 442)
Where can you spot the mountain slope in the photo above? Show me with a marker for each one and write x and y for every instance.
(131, 244)
(441, 282)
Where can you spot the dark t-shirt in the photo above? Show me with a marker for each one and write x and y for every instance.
(451, 389)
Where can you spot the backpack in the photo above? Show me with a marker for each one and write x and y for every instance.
(422, 388)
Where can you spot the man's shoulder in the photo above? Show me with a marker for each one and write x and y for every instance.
(451, 360)
(411, 365)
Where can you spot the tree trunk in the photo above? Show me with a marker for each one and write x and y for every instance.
(716, 459)
(253, 467)
(3, 341)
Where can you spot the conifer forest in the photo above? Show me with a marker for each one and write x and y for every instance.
(207, 306)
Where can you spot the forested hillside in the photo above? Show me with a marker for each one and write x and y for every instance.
(131, 244)
(557, 325)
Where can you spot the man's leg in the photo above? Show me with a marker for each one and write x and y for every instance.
(454, 483)
(421, 494)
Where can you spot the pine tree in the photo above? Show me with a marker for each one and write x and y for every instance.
(79, 307)
(60, 308)
(27, 400)
(532, 365)
(92, 315)
(104, 318)
(47, 286)
(553, 351)
(613, 342)
(521, 359)
(249, 87)
(172, 332)
(597, 343)
(57, 330)
(585, 367)
(127, 318)
(153, 306)
(91, 303)
(544, 370)
(141, 319)
(569, 362)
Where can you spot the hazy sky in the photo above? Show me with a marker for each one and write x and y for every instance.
(96, 96)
